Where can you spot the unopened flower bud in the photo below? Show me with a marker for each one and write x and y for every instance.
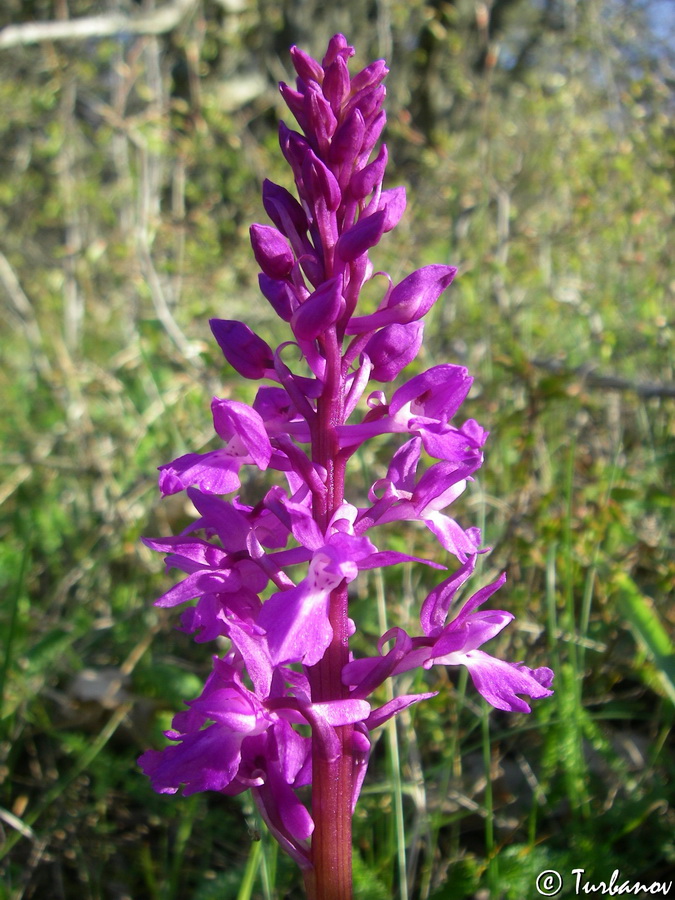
(271, 251)
(246, 352)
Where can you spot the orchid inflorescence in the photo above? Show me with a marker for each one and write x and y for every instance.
(288, 662)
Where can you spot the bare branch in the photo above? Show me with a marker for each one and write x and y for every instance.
(25, 315)
(158, 21)
(608, 382)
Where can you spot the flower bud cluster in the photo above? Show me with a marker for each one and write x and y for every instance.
(240, 561)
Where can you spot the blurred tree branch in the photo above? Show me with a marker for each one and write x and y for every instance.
(608, 382)
(157, 21)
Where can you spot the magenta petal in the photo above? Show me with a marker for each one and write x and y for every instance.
(244, 428)
(320, 181)
(456, 540)
(207, 620)
(364, 182)
(364, 675)
(293, 750)
(190, 548)
(360, 756)
(194, 586)
(393, 558)
(436, 394)
(370, 76)
(319, 311)
(213, 473)
(358, 670)
(439, 486)
(409, 300)
(355, 241)
(271, 251)
(253, 648)
(230, 706)
(392, 348)
(336, 82)
(302, 524)
(266, 800)
(479, 598)
(337, 46)
(417, 293)
(229, 523)
(203, 761)
(306, 67)
(297, 624)
(283, 209)
(435, 608)
(294, 816)
(247, 353)
(369, 101)
(448, 443)
(280, 294)
(393, 202)
(470, 634)
(294, 148)
(342, 712)
(499, 682)
(403, 466)
(380, 715)
(321, 120)
(375, 123)
(295, 101)
(347, 141)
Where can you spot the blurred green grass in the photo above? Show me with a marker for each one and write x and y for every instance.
(125, 212)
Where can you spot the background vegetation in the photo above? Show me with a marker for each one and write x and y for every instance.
(536, 140)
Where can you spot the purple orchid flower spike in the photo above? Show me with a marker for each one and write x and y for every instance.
(286, 706)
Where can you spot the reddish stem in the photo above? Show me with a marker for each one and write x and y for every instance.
(331, 877)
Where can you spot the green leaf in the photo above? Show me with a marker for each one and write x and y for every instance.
(647, 628)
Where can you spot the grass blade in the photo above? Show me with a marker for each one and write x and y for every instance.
(646, 626)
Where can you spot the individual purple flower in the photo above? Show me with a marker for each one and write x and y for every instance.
(455, 643)
(217, 472)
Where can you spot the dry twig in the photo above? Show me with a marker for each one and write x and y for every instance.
(609, 382)
(157, 21)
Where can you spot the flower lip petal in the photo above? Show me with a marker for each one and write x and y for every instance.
(500, 682)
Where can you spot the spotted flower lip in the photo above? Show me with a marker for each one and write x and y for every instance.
(268, 572)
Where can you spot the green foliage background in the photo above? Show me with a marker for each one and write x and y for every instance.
(536, 143)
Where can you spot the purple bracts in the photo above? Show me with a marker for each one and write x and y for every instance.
(270, 579)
